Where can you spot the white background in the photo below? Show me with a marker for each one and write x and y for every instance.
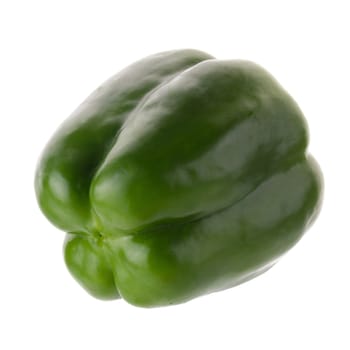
(53, 54)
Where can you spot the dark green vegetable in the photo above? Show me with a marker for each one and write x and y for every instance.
(180, 176)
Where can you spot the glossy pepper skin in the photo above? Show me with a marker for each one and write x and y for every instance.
(180, 176)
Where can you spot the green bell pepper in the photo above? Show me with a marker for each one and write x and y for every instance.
(180, 176)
